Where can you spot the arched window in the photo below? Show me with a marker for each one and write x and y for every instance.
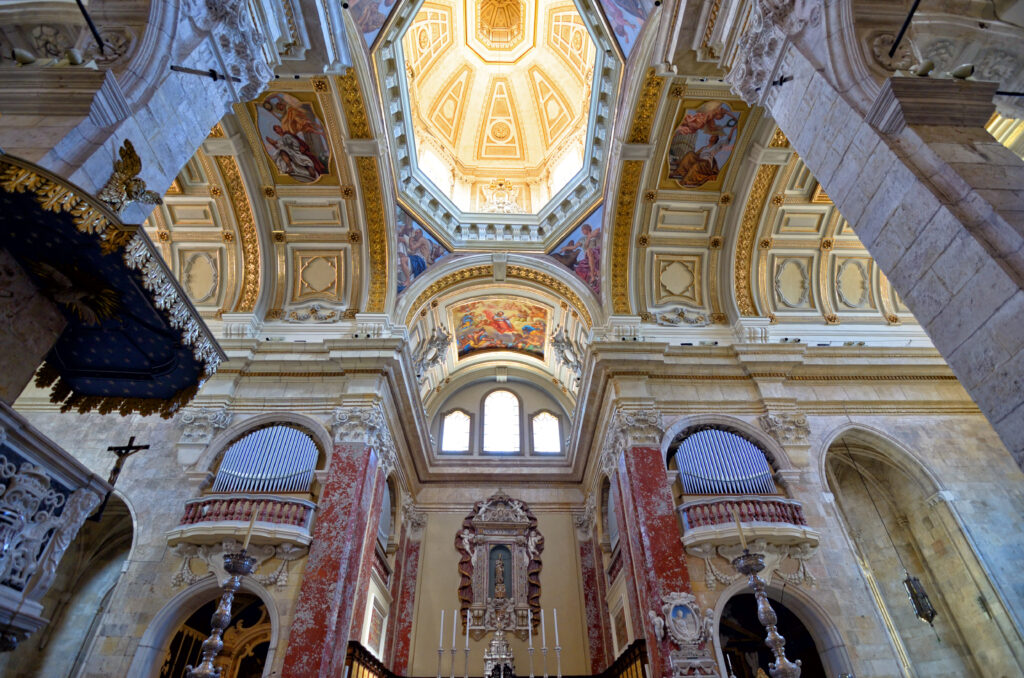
(386, 515)
(547, 437)
(272, 459)
(714, 461)
(455, 432)
(501, 422)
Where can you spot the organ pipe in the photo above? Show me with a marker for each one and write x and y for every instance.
(713, 461)
(270, 460)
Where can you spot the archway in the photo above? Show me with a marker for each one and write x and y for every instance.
(896, 518)
(741, 638)
(78, 597)
(246, 640)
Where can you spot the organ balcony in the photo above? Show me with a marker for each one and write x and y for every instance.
(215, 517)
(774, 519)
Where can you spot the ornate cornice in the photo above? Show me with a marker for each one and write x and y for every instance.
(250, 241)
(646, 108)
(624, 209)
(756, 201)
(376, 233)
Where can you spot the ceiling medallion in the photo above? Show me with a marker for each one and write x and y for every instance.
(501, 24)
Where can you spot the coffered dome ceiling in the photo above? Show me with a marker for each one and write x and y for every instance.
(500, 95)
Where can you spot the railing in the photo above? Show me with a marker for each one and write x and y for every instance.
(360, 663)
(751, 509)
(268, 508)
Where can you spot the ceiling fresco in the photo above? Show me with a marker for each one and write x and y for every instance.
(294, 138)
(500, 324)
(580, 252)
(417, 250)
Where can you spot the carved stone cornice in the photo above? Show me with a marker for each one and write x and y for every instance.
(213, 556)
(786, 428)
(199, 424)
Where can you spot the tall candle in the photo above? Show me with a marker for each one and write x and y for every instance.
(543, 633)
(556, 626)
(455, 623)
(743, 540)
(440, 637)
(248, 534)
(467, 628)
(529, 632)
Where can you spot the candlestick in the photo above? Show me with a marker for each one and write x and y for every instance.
(558, 657)
(728, 663)
(543, 633)
(555, 611)
(743, 540)
(440, 637)
(248, 534)
(467, 630)
(529, 627)
(455, 623)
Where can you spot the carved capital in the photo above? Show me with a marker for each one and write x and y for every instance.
(585, 520)
(786, 428)
(200, 424)
(239, 43)
(413, 518)
(630, 428)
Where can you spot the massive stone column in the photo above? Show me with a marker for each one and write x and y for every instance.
(934, 198)
(648, 530)
(346, 522)
(595, 589)
(403, 589)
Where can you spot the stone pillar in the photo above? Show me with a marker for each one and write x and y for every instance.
(31, 326)
(366, 562)
(345, 523)
(648, 528)
(936, 200)
(595, 589)
(403, 589)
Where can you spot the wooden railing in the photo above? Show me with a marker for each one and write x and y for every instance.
(360, 663)
(268, 508)
(751, 509)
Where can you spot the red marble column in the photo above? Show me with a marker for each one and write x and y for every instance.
(323, 613)
(652, 532)
(403, 596)
(369, 555)
(595, 598)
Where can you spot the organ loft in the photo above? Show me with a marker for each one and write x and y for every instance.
(496, 338)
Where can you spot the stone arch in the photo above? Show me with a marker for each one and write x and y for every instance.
(827, 638)
(908, 523)
(219, 444)
(149, 652)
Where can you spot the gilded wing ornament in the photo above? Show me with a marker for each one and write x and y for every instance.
(124, 186)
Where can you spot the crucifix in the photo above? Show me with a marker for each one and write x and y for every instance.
(122, 452)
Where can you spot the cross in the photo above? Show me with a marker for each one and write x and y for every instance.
(122, 452)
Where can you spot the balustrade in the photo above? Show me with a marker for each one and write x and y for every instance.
(776, 519)
(216, 516)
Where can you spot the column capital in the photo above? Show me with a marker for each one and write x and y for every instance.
(630, 428)
(367, 425)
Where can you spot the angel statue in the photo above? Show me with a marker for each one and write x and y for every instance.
(124, 186)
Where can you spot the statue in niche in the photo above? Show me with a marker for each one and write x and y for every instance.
(500, 555)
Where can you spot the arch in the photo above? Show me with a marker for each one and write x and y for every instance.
(469, 430)
(149, 652)
(531, 422)
(774, 452)
(219, 444)
(827, 638)
(489, 399)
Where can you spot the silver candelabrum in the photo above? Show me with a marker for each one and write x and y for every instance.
(750, 564)
(237, 565)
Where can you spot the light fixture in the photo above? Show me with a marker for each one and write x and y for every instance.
(923, 607)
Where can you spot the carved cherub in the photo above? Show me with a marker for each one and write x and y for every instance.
(659, 625)
(124, 186)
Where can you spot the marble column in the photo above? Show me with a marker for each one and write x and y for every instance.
(651, 529)
(323, 612)
(933, 197)
(595, 596)
(366, 561)
(403, 591)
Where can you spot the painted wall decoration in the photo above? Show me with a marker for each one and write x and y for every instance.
(627, 18)
(580, 251)
(500, 324)
(417, 250)
(702, 144)
(369, 16)
(293, 135)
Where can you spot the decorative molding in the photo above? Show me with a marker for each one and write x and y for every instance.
(250, 241)
(632, 170)
(881, 43)
(239, 44)
(786, 428)
(353, 105)
(690, 630)
(585, 520)
(413, 517)
(213, 556)
(646, 107)
(450, 280)
(366, 425)
(376, 232)
(756, 202)
(630, 428)
(553, 283)
(200, 424)
(775, 555)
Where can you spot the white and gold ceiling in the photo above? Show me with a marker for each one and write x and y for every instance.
(500, 98)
